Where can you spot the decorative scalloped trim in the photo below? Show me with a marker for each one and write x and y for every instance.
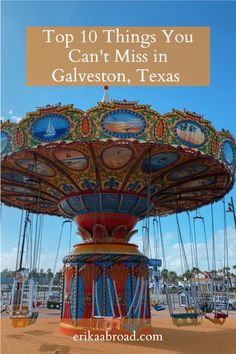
(85, 234)
(103, 233)
(115, 232)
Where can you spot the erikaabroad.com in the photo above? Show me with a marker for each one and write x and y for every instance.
(107, 337)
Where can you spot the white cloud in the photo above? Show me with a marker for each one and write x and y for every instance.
(172, 252)
(13, 118)
(47, 260)
(173, 258)
(170, 236)
(8, 259)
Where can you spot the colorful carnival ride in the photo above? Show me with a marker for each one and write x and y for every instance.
(108, 168)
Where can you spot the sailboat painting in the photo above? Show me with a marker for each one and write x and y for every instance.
(50, 127)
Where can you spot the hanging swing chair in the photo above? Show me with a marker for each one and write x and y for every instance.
(53, 302)
(22, 314)
(157, 306)
(218, 316)
(186, 319)
(23, 302)
(157, 303)
(202, 289)
(108, 323)
(192, 316)
(136, 314)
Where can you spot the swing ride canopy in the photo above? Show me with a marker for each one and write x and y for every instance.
(114, 164)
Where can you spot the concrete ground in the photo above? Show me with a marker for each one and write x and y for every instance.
(44, 337)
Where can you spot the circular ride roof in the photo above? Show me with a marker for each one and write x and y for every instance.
(176, 161)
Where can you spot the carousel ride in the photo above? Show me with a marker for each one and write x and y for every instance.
(108, 168)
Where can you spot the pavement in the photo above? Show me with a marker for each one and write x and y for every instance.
(43, 337)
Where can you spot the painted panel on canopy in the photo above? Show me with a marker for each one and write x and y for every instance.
(36, 167)
(180, 203)
(50, 127)
(47, 206)
(159, 161)
(34, 199)
(35, 202)
(122, 123)
(190, 133)
(191, 195)
(17, 189)
(198, 193)
(4, 142)
(187, 171)
(198, 183)
(55, 193)
(117, 157)
(15, 176)
(73, 159)
(228, 152)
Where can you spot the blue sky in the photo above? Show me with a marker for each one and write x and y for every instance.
(215, 102)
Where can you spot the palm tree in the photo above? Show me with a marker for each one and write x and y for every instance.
(188, 275)
(234, 267)
(164, 274)
(49, 275)
(181, 277)
(172, 276)
(213, 273)
(58, 277)
(34, 274)
(226, 270)
(195, 270)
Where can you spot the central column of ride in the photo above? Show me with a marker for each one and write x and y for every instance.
(105, 279)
